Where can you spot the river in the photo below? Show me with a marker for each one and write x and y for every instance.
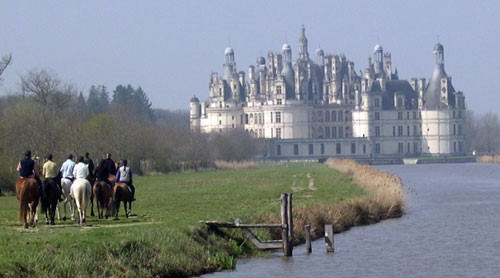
(451, 228)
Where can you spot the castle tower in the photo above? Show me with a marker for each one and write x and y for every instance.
(378, 54)
(320, 57)
(303, 53)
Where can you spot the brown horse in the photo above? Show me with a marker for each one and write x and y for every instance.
(52, 194)
(28, 194)
(122, 193)
(91, 179)
(103, 194)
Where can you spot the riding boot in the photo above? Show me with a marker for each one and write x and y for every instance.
(61, 199)
(133, 192)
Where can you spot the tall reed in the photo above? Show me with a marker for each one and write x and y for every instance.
(235, 165)
(488, 159)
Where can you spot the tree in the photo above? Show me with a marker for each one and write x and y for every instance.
(6, 60)
(130, 99)
(41, 84)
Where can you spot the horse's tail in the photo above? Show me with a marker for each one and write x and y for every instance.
(118, 196)
(85, 196)
(23, 201)
(99, 195)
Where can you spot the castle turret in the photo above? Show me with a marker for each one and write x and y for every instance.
(194, 113)
(303, 53)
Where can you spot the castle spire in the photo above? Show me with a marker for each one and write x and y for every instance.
(303, 53)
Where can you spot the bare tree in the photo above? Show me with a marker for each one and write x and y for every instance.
(41, 83)
(6, 60)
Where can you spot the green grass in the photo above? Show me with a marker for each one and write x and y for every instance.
(165, 238)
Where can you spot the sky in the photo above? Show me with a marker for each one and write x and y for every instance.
(169, 48)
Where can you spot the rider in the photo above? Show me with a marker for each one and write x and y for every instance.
(67, 168)
(50, 172)
(26, 168)
(110, 164)
(124, 174)
(87, 160)
(81, 170)
(101, 173)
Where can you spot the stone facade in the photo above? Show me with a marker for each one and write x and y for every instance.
(310, 108)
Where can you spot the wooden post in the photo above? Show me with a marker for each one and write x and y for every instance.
(287, 251)
(308, 239)
(290, 220)
(329, 242)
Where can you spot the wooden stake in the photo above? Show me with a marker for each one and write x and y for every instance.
(329, 242)
(287, 251)
(308, 238)
(290, 220)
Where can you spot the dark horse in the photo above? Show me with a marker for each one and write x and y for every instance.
(103, 193)
(52, 192)
(28, 194)
(91, 179)
(122, 193)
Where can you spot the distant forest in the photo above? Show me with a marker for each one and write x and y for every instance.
(47, 115)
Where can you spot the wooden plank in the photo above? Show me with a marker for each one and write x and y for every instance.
(259, 244)
(241, 225)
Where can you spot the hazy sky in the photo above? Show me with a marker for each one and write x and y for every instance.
(169, 48)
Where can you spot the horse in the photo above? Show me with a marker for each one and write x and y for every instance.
(103, 193)
(66, 193)
(91, 179)
(52, 195)
(28, 194)
(122, 193)
(81, 191)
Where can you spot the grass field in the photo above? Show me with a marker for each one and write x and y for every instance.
(165, 237)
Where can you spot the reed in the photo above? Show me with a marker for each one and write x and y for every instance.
(235, 165)
(488, 159)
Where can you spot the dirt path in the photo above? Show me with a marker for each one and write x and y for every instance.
(311, 183)
(294, 186)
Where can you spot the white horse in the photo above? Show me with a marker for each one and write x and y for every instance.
(81, 191)
(66, 193)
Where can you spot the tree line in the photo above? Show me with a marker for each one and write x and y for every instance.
(47, 115)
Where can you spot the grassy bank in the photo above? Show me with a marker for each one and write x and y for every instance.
(165, 238)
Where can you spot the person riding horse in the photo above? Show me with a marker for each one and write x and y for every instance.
(50, 173)
(27, 169)
(67, 168)
(90, 163)
(81, 170)
(124, 174)
(110, 164)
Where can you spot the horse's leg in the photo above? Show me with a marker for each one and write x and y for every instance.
(65, 202)
(73, 209)
(58, 212)
(92, 205)
(125, 207)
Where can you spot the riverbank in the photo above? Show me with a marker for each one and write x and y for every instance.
(166, 239)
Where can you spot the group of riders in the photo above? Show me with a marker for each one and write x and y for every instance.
(82, 169)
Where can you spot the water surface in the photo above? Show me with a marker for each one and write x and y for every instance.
(451, 229)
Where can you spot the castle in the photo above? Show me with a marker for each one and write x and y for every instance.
(323, 108)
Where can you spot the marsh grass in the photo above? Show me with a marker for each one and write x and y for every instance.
(166, 238)
(235, 165)
(488, 159)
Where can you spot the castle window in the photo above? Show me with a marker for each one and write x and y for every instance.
(220, 92)
(338, 148)
(364, 148)
(453, 114)
(407, 130)
(220, 122)
(377, 116)
(296, 149)
(232, 117)
(246, 118)
(341, 116)
(334, 132)
(278, 90)
(414, 115)
(278, 101)
(400, 148)
(278, 133)
(241, 119)
(454, 130)
(311, 149)
(346, 116)
(460, 146)
(400, 130)
(454, 146)
(400, 102)
(322, 148)
(341, 132)
(408, 148)
(353, 148)
(278, 149)
(415, 149)
(377, 131)
(459, 129)
(394, 131)
(408, 115)
(278, 117)
(327, 132)
(271, 117)
(377, 148)
(460, 113)
(327, 116)
(415, 130)
(320, 116)
(377, 102)
(334, 116)
(400, 115)
(232, 125)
